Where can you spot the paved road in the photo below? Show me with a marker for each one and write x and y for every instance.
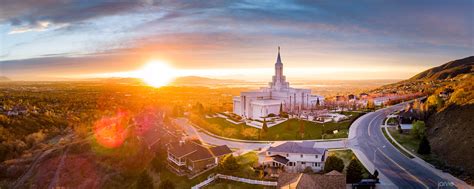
(205, 138)
(374, 150)
(370, 146)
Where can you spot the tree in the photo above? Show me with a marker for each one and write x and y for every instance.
(370, 105)
(418, 129)
(229, 164)
(166, 184)
(424, 147)
(144, 181)
(264, 126)
(281, 109)
(333, 163)
(354, 171)
(435, 102)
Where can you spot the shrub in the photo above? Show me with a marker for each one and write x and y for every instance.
(228, 164)
(418, 130)
(424, 147)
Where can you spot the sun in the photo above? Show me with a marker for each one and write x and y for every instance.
(156, 73)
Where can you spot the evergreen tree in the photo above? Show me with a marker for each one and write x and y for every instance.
(424, 147)
(144, 181)
(354, 171)
(333, 163)
(264, 126)
(281, 109)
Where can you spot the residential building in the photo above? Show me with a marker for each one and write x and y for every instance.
(294, 156)
(189, 157)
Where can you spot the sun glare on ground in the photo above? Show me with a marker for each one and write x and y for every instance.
(156, 73)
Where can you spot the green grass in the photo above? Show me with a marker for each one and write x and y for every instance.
(288, 130)
(228, 184)
(394, 144)
(405, 139)
(411, 143)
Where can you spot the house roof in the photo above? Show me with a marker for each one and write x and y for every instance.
(201, 153)
(195, 152)
(280, 159)
(220, 150)
(331, 180)
(297, 147)
(180, 149)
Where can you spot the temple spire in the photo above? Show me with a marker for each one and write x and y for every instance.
(278, 58)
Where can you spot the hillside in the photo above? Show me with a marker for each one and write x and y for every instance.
(3, 78)
(448, 70)
(449, 120)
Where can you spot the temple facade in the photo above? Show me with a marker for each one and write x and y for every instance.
(268, 100)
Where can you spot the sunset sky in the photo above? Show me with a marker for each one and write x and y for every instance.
(47, 40)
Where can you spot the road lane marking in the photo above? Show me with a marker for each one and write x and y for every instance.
(413, 176)
(370, 123)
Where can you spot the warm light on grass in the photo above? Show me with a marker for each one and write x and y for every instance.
(156, 73)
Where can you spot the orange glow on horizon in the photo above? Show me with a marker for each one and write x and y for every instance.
(156, 73)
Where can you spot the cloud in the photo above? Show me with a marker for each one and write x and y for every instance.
(38, 15)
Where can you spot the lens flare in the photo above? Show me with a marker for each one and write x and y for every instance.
(111, 132)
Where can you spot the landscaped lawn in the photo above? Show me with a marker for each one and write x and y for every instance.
(406, 140)
(288, 130)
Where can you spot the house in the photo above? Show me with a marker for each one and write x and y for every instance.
(189, 157)
(406, 118)
(293, 157)
(363, 95)
(331, 180)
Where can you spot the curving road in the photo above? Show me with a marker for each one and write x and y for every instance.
(376, 152)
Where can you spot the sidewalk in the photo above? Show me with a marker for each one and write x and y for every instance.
(384, 181)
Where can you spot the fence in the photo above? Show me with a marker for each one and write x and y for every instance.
(238, 179)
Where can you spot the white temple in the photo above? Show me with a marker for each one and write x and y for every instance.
(267, 100)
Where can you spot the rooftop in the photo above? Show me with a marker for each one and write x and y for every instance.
(297, 147)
